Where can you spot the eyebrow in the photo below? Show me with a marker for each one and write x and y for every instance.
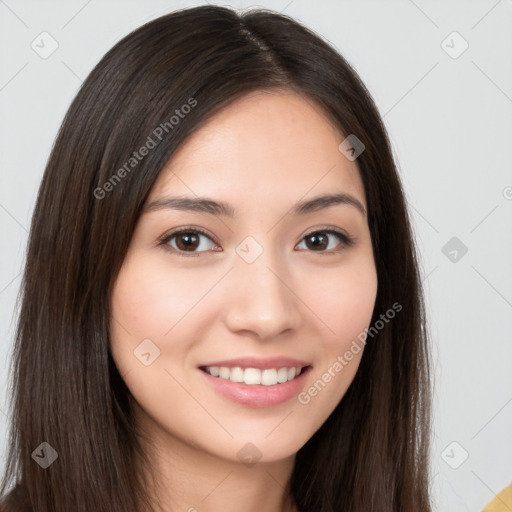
(219, 208)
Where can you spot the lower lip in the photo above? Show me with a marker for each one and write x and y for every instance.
(258, 395)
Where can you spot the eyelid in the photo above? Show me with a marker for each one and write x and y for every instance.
(327, 228)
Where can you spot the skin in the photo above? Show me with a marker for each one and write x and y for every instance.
(262, 154)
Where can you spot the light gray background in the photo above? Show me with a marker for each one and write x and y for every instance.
(451, 127)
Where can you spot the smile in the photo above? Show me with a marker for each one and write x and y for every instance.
(272, 385)
(254, 376)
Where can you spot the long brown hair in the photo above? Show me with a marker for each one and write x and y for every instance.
(372, 453)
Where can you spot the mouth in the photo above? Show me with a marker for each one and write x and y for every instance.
(255, 376)
(257, 383)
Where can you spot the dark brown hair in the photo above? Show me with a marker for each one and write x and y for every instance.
(372, 453)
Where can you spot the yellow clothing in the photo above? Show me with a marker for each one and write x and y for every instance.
(502, 502)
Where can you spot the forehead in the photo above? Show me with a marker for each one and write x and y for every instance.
(275, 145)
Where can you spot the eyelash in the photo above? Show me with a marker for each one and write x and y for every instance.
(346, 240)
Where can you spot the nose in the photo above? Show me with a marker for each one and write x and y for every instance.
(262, 302)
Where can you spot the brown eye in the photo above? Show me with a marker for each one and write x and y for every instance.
(325, 241)
(189, 240)
(317, 241)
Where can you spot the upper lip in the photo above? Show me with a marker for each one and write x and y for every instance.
(260, 363)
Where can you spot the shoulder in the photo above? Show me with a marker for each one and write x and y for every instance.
(502, 502)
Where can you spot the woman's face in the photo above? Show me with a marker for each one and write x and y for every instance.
(266, 283)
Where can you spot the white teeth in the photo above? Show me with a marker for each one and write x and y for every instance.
(251, 376)
(269, 377)
(237, 374)
(224, 372)
(282, 375)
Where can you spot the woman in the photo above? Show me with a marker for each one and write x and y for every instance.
(221, 307)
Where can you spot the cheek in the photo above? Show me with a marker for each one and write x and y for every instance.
(148, 299)
(151, 302)
(141, 311)
(344, 302)
(147, 302)
(347, 303)
(345, 306)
